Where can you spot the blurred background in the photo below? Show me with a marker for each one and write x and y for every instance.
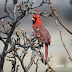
(59, 55)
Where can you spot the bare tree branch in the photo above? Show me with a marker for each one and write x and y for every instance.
(58, 18)
(36, 65)
(62, 39)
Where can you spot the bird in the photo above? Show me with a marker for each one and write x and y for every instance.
(41, 32)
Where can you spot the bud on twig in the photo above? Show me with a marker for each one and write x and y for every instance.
(17, 6)
(2, 22)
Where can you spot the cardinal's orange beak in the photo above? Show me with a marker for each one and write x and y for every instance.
(32, 19)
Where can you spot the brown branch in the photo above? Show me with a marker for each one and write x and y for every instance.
(62, 39)
(58, 18)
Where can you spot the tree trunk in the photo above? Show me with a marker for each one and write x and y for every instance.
(6, 47)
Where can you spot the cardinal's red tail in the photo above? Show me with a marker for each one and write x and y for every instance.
(46, 51)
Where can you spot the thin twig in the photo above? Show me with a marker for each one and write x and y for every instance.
(37, 65)
(17, 68)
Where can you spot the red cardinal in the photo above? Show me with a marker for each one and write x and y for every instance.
(41, 31)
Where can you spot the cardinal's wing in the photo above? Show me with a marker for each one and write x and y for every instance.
(42, 33)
